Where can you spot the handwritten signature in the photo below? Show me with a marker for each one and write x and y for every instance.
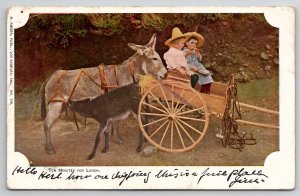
(237, 176)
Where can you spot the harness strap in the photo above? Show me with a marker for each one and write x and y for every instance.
(131, 71)
(103, 85)
(116, 74)
(75, 85)
(102, 78)
(88, 75)
(58, 90)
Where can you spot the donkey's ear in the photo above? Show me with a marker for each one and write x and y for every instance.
(138, 48)
(152, 42)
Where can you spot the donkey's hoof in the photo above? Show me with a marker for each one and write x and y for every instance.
(50, 150)
(104, 150)
(138, 150)
(89, 157)
(119, 141)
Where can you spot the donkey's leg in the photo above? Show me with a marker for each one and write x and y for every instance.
(140, 134)
(75, 119)
(144, 118)
(112, 130)
(55, 109)
(106, 138)
(67, 114)
(102, 128)
(115, 126)
(106, 142)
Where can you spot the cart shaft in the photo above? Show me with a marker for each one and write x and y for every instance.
(258, 108)
(257, 124)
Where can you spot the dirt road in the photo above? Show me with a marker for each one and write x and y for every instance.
(73, 146)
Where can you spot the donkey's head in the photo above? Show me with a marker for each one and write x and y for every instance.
(149, 59)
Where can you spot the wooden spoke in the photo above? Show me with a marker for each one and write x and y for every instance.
(158, 129)
(186, 112)
(185, 103)
(185, 131)
(194, 129)
(154, 107)
(179, 135)
(159, 101)
(163, 137)
(189, 118)
(178, 99)
(172, 128)
(156, 121)
(165, 98)
(153, 114)
(177, 113)
(172, 103)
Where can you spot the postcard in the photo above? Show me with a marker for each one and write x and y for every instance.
(189, 98)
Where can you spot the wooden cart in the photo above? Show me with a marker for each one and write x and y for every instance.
(178, 115)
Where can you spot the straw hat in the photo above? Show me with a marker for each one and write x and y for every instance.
(176, 34)
(200, 39)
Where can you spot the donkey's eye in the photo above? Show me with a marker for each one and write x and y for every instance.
(155, 59)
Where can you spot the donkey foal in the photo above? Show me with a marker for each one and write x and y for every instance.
(115, 105)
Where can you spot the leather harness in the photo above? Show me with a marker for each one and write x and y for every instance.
(58, 97)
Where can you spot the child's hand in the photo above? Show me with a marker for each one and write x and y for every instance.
(181, 71)
(199, 54)
(193, 68)
(188, 52)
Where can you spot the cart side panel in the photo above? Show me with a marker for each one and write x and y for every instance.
(176, 76)
(219, 89)
(177, 94)
(216, 104)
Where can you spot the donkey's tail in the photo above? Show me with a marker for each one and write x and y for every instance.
(36, 103)
(43, 101)
(43, 98)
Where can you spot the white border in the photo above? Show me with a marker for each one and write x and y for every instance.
(279, 166)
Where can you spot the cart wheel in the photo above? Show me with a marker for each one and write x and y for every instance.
(175, 116)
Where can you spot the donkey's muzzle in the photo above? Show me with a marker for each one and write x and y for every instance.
(160, 77)
(162, 74)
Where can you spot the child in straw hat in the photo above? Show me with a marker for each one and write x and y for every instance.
(194, 57)
(175, 57)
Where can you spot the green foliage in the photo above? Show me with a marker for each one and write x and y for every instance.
(107, 24)
(153, 21)
(253, 17)
(37, 22)
(215, 17)
(61, 29)
(69, 21)
(57, 29)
